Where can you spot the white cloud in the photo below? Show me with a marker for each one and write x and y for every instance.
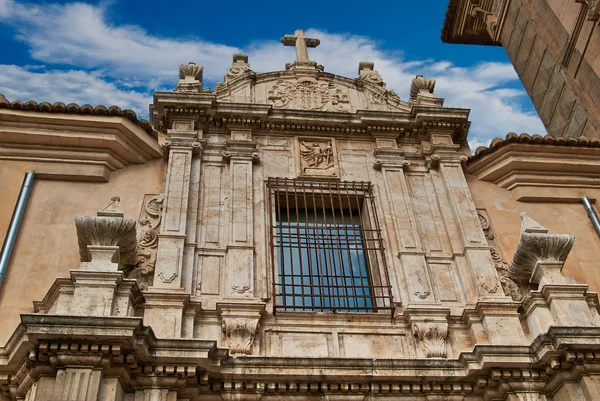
(123, 59)
(73, 86)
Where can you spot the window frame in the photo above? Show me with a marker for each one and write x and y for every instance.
(359, 192)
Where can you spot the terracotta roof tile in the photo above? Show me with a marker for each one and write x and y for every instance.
(59, 107)
(535, 139)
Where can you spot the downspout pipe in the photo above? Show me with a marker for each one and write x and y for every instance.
(591, 213)
(15, 223)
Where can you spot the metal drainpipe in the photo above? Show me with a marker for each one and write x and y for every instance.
(591, 213)
(15, 222)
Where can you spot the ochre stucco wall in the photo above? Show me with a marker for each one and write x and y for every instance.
(558, 218)
(47, 243)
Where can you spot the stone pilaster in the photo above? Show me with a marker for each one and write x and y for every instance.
(183, 144)
(393, 164)
(446, 156)
(241, 153)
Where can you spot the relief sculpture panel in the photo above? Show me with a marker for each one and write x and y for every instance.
(317, 157)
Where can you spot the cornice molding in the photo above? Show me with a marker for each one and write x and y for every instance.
(69, 146)
(539, 171)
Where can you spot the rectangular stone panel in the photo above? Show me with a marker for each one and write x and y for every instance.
(209, 274)
(295, 344)
(178, 179)
(426, 212)
(212, 203)
(402, 214)
(444, 280)
(370, 345)
(241, 201)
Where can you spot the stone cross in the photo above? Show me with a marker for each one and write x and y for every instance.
(301, 43)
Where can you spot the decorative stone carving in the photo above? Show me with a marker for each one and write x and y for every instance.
(106, 240)
(421, 85)
(536, 245)
(433, 336)
(593, 9)
(239, 323)
(510, 288)
(190, 78)
(148, 229)
(308, 93)
(240, 334)
(317, 157)
(238, 68)
(367, 74)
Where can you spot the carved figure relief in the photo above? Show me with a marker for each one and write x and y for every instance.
(239, 333)
(317, 157)
(510, 288)
(148, 227)
(433, 336)
(309, 94)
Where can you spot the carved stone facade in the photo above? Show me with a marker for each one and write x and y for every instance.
(551, 44)
(305, 247)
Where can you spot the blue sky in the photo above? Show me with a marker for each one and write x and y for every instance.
(121, 51)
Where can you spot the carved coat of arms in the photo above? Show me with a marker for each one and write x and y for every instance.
(309, 94)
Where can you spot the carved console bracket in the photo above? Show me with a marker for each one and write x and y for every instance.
(148, 230)
(430, 328)
(540, 256)
(106, 239)
(239, 322)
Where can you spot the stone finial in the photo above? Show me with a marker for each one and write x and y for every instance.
(537, 247)
(421, 85)
(368, 74)
(240, 58)
(238, 68)
(113, 209)
(190, 78)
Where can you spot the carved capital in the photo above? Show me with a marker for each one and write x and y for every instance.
(537, 246)
(389, 157)
(241, 150)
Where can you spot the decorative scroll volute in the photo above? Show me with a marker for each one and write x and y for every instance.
(148, 228)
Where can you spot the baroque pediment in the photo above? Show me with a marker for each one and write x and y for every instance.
(309, 90)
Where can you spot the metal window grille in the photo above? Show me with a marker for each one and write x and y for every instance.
(327, 250)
